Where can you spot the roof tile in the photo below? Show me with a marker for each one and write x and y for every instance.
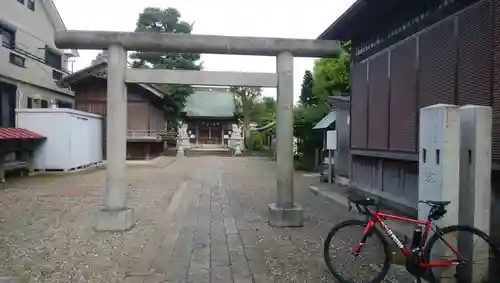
(215, 103)
(18, 134)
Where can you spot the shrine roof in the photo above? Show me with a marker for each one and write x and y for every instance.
(210, 102)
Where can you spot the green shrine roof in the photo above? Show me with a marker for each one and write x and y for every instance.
(326, 121)
(210, 102)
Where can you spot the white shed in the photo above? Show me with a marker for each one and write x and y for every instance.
(74, 138)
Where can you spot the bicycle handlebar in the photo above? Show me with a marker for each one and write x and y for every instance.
(362, 208)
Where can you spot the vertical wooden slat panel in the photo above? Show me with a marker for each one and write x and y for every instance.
(378, 102)
(96, 107)
(156, 119)
(359, 103)
(496, 80)
(474, 56)
(437, 65)
(137, 116)
(403, 104)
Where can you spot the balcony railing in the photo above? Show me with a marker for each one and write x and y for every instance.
(32, 56)
(145, 135)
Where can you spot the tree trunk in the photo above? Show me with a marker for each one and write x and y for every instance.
(246, 130)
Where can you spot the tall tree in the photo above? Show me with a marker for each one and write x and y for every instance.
(269, 104)
(306, 92)
(247, 99)
(168, 20)
(264, 111)
(332, 75)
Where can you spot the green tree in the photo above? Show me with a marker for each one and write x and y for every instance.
(269, 104)
(168, 20)
(306, 92)
(265, 111)
(247, 99)
(332, 75)
(264, 116)
(308, 140)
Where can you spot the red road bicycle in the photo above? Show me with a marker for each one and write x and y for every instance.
(420, 256)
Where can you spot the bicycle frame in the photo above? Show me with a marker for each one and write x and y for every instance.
(378, 218)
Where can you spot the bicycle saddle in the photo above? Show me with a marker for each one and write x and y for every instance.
(435, 202)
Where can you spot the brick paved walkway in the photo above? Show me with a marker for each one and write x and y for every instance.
(201, 219)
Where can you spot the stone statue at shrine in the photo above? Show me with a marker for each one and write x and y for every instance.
(183, 131)
(183, 139)
(236, 141)
(236, 130)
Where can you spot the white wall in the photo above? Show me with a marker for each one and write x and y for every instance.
(74, 138)
(34, 30)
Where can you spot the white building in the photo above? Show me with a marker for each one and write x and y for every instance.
(30, 64)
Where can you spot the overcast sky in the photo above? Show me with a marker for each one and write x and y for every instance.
(266, 18)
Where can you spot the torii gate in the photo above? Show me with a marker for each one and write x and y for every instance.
(115, 215)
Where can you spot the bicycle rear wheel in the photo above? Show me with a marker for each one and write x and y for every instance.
(338, 251)
(474, 246)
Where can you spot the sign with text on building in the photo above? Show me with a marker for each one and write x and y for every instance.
(331, 140)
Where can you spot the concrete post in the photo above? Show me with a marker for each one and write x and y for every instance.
(475, 178)
(285, 212)
(439, 159)
(114, 215)
(475, 166)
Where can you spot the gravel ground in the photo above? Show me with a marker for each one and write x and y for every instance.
(200, 219)
(46, 233)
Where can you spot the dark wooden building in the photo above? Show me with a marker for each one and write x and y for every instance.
(210, 114)
(341, 107)
(146, 121)
(408, 55)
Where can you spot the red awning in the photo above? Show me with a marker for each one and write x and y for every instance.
(18, 134)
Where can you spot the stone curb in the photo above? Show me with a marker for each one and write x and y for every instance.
(337, 198)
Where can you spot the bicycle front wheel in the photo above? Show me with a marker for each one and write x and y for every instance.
(369, 266)
(481, 258)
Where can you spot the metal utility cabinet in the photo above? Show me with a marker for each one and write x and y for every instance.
(74, 138)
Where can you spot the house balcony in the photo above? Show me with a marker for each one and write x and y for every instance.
(145, 136)
(21, 65)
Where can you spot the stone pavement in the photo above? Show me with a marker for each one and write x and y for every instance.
(200, 219)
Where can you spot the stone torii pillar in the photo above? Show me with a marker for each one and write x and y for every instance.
(114, 215)
(285, 212)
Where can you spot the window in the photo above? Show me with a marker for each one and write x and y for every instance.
(31, 5)
(21, 1)
(30, 102)
(17, 60)
(8, 37)
(57, 75)
(45, 104)
(53, 59)
(7, 105)
(64, 104)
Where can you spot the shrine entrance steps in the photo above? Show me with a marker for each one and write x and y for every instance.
(209, 149)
